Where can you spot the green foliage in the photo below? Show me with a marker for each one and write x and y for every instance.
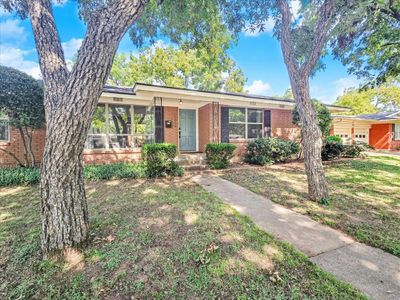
(159, 159)
(324, 117)
(21, 98)
(334, 138)
(270, 150)
(219, 155)
(177, 67)
(115, 171)
(383, 97)
(352, 150)
(19, 176)
(331, 149)
(367, 40)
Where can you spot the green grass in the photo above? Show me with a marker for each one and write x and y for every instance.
(364, 196)
(160, 240)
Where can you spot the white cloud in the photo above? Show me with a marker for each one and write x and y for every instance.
(268, 27)
(344, 83)
(71, 48)
(4, 13)
(295, 6)
(11, 30)
(59, 2)
(16, 58)
(258, 87)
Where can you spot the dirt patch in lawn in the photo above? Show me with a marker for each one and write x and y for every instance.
(364, 196)
(162, 239)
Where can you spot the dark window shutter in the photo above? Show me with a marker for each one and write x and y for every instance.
(267, 123)
(159, 124)
(224, 124)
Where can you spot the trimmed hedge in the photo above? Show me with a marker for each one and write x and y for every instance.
(270, 150)
(115, 171)
(219, 155)
(160, 160)
(331, 149)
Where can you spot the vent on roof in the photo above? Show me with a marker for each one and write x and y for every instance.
(117, 99)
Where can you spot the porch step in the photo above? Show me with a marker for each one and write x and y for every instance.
(192, 161)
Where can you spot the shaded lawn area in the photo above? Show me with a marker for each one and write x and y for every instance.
(364, 196)
(163, 239)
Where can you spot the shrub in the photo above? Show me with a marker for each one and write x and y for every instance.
(352, 150)
(269, 150)
(218, 155)
(115, 171)
(331, 149)
(19, 176)
(159, 159)
(334, 138)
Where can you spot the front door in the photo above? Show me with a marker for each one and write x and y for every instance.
(187, 130)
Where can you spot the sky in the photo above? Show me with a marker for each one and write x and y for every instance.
(258, 54)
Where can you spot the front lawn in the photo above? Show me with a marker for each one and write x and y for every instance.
(364, 196)
(155, 239)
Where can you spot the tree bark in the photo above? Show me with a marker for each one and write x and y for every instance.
(70, 101)
(299, 79)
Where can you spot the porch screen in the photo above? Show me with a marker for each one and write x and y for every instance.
(121, 126)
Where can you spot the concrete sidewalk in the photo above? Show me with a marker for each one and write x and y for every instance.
(373, 271)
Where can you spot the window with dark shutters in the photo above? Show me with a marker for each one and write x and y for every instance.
(267, 123)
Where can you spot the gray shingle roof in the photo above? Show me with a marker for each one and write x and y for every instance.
(381, 116)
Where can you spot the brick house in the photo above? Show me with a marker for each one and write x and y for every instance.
(380, 130)
(128, 117)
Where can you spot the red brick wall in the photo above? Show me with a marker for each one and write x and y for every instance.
(16, 146)
(282, 126)
(380, 136)
(171, 135)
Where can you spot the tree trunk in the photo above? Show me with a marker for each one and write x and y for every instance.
(70, 101)
(29, 135)
(64, 209)
(21, 133)
(312, 141)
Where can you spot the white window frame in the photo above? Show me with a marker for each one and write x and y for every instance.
(246, 122)
(396, 132)
(8, 130)
(108, 134)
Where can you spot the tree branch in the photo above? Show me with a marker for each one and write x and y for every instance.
(13, 156)
(286, 36)
(48, 44)
(325, 17)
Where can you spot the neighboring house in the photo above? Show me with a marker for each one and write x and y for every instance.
(380, 130)
(126, 118)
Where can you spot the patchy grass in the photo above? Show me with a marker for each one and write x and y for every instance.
(163, 239)
(364, 196)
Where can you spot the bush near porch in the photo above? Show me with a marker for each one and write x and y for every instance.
(270, 150)
(219, 155)
(159, 239)
(364, 196)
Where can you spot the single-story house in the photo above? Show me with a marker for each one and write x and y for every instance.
(128, 117)
(380, 130)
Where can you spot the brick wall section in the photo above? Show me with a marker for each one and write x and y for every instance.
(282, 126)
(171, 135)
(111, 156)
(380, 136)
(205, 126)
(16, 146)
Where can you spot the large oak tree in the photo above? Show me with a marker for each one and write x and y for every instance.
(71, 96)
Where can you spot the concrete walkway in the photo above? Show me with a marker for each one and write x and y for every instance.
(373, 271)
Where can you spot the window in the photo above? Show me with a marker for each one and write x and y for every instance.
(396, 133)
(4, 130)
(245, 123)
(112, 127)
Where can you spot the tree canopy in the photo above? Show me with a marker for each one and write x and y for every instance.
(385, 97)
(21, 98)
(177, 67)
(367, 40)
